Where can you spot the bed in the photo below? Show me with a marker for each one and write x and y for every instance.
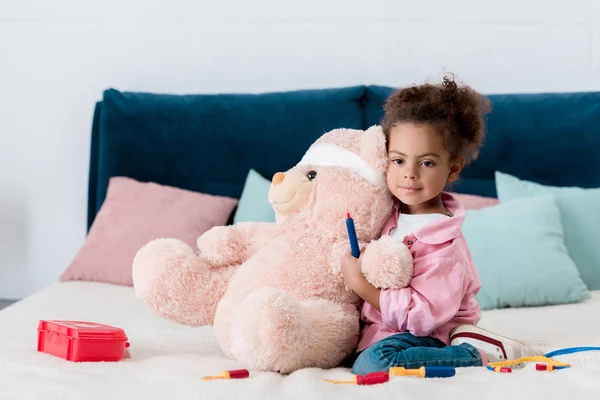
(168, 360)
(191, 141)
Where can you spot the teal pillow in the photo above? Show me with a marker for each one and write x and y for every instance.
(580, 216)
(254, 202)
(520, 255)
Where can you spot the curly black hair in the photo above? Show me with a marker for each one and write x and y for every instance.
(455, 112)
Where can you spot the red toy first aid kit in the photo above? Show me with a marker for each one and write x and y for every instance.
(81, 341)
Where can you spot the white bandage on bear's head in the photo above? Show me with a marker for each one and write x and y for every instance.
(331, 155)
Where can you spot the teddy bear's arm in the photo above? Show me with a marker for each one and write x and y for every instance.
(387, 263)
(232, 245)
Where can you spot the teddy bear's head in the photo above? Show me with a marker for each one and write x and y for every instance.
(342, 172)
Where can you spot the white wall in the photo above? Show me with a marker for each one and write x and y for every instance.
(57, 56)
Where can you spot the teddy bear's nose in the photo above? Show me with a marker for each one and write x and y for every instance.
(278, 178)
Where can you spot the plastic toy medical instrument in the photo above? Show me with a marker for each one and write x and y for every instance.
(373, 378)
(382, 377)
(232, 374)
(352, 236)
(424, 372)
(545, 362)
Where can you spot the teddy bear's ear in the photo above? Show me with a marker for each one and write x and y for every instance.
(373, 148)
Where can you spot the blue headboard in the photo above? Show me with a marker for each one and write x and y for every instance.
(207, 143)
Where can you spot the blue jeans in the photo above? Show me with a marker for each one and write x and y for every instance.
(411, 352)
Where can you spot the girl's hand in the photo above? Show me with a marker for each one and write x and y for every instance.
(352, 272)
(351, 269)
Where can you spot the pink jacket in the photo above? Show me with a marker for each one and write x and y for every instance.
(442, 292)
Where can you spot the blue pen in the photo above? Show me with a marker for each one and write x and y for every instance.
(352, 236)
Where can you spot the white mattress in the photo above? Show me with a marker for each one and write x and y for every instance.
(167, 360)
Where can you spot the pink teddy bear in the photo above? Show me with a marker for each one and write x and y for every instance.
(274, 291)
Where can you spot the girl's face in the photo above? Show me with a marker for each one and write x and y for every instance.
(420, 166)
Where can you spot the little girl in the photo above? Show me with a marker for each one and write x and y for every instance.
(432, 132)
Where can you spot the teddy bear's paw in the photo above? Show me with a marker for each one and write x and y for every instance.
(273, 330)
(220, 246)
(177, 284)
(387, 263)
(268, 328)
(152, 261)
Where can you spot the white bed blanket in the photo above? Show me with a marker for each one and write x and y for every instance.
(167, 360)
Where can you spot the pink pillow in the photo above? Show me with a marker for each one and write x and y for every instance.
(473, 202)
(133, 214)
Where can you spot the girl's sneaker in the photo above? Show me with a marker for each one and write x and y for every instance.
(494, 346)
